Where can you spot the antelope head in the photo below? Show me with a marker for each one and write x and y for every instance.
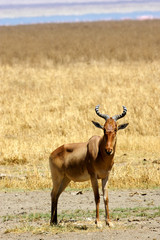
(110, 129)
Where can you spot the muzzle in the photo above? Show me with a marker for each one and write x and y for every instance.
(108, 151)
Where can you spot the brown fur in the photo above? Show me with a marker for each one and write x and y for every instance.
(83, 161)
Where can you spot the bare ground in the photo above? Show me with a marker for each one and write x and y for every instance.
(129, 227)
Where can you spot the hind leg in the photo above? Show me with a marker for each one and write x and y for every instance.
(58, 188)
(54, 201)
(63, 185)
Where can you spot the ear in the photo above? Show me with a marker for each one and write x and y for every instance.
(97, 124)
(122, 126)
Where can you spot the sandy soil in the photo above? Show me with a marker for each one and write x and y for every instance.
(16, 203)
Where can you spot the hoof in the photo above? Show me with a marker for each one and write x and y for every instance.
(53, 223)
(109, 223)
(98, 224)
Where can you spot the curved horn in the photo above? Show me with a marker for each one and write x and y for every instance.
(116, 117)
(105, 116)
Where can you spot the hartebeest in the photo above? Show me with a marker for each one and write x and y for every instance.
(83, 161)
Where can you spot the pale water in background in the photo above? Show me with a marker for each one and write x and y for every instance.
(13, 12)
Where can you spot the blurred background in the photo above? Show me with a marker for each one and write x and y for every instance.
(39, 11)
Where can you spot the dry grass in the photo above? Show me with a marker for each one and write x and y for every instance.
(67, 43)
(52, 76)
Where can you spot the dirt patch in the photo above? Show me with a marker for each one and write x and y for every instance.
(128, 225)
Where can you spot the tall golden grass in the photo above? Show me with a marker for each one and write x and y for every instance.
(52, 77)
(67, 43)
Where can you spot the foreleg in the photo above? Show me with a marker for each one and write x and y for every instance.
(94, 182)
(106, 201)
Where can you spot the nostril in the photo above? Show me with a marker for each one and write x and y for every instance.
(108, 151)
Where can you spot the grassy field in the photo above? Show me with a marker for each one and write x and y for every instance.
(52, 76)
